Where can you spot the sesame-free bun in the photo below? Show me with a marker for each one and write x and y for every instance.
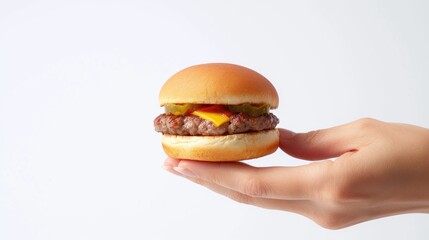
(226, 148)
(218, 83)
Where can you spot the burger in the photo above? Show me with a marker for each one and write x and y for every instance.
(218, 112)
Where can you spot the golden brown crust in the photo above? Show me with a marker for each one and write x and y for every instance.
(234, 147)
(218, 83)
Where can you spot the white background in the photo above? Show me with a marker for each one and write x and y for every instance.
(79, 82)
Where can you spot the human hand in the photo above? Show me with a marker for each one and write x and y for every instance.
(381, 169)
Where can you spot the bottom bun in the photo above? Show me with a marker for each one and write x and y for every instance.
(233, 147)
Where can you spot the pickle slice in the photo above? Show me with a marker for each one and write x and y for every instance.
(252, 110)
(180, 109)
(187, 108)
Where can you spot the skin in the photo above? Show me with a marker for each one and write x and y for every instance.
(360, 171)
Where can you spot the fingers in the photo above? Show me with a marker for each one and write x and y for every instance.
(291, 183)
(321, 144)
(296, 206)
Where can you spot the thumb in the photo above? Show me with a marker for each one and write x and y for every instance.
(319, 144)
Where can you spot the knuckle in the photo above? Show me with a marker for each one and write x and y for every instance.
(368, 131)
(332, 221)
(339, 186)
(337, 196)
(338, 192)
(312, 136)
(254, 187)
(337, 201)
(366, 123)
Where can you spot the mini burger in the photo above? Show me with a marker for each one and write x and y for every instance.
(218, 112)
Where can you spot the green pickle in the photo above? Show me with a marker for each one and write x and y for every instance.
(252, 110)
(179, 109)
(186, 108)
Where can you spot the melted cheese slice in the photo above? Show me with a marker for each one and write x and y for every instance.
(216, 118)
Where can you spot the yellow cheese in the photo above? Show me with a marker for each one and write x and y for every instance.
(216, 118)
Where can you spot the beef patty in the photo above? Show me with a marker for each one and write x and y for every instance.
(190, 125)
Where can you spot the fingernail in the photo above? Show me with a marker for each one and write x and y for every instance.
(184, 171)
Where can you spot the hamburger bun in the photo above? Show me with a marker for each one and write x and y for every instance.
(234, 147)
(219, 84)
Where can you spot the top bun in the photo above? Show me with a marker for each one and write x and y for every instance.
(218, 83)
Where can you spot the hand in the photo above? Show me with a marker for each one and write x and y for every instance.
(381, 169)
